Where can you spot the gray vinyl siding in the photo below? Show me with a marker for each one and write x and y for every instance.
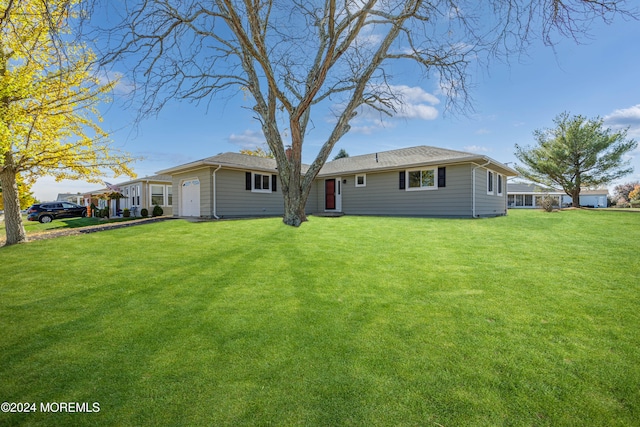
(382, 195)
(166, 209)
(312, 201)
(233, 200)
(204, 175)
(489, 204)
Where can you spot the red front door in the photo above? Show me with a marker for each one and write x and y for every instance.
(330, 194)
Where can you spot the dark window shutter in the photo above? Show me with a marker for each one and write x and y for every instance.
(442, 177)
(247, 185)
(274, 183)
(402, 178)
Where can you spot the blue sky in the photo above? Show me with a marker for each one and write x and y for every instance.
(599, 77)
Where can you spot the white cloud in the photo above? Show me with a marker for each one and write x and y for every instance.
(249, 139)
(476, 149)
(625, 117)
(123, 85)
(483, 131)
(410, 103)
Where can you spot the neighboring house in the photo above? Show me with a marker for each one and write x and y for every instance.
(521, 195)
(70, 197)
(137, 194)
(417, 181)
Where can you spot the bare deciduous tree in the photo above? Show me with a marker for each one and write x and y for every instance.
(295, 56)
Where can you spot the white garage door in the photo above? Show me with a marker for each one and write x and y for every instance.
(190, 198)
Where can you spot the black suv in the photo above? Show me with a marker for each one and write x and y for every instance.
(47, 212)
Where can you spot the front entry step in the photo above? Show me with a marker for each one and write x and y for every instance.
(329, 214)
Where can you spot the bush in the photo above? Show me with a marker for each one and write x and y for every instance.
(144, 212)
(547, 203)
(126, 213)
(105, 213)
(157, 211)
(622, 202)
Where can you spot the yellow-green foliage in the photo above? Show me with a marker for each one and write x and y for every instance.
(49, 123)
(635, 193)
(25, 194)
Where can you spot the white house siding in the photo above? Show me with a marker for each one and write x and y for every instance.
(382, 195)
(591, 200)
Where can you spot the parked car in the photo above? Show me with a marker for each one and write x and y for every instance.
(47, 212)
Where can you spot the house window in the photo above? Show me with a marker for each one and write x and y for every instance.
(499, 185)
(261, 183)
(169, 195)
(424, 179)
(157, 195)
(361, 180)
(135, 196)
(489, 182)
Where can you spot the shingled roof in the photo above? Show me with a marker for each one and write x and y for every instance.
(386, 160)
(406, 158)
(229, 160)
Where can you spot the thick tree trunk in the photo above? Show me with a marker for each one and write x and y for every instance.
(575, 198)
(12, 216)
(293, 210)
(295, 201)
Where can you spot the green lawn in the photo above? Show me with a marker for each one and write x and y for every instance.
(527, 320)
(34, 227)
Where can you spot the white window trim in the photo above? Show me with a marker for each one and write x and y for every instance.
(253, 183)
(134, 195)
(435, 179)
(493, 183)
(164, 194)
(364, 180)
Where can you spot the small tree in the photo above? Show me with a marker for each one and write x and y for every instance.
(576, 154)
(623, 190)
(634, 195)
(341, 154)
(263, 151)
(547, 203)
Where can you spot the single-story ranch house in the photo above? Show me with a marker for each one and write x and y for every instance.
(417, 181)
(528, 196)
(137, 194)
